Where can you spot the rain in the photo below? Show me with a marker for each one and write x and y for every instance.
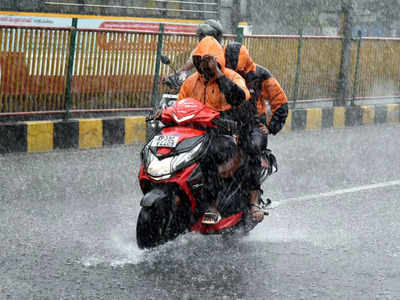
(69, 213)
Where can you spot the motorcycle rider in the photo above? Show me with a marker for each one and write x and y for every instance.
(220, 89)
(210, 27)
(264, 88)
(214, 85)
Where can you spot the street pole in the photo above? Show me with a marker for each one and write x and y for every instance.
(297, 78)
(71, 59)
(154, 102)
(355, 86)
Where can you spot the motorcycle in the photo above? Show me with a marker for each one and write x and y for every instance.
(171, 177)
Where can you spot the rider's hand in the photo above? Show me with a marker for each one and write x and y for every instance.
(263, 128)
(163, 78)
(157, 115)
(211, 65)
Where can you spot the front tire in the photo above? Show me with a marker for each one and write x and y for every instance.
(151, 228)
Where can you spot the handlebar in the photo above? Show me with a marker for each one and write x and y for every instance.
(173, 81)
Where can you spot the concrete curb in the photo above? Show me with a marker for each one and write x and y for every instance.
(341, 117)
(43, 136)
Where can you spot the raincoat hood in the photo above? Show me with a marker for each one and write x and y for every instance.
(209, 45)
(238, 59)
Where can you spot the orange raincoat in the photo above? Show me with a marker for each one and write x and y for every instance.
(258, 79)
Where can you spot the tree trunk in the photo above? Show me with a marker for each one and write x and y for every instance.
(345, 63)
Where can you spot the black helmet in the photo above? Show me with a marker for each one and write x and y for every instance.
(210, 28)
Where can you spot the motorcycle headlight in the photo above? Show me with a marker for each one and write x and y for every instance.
(163, 168)
(181, 160)
(160, 169)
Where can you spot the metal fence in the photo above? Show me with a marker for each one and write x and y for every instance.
(374, 73)
(379, 73)
(59, 69)
(33, 64)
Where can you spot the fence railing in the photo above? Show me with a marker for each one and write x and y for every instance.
(60, 69)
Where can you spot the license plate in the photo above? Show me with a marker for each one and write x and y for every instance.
(165, 141)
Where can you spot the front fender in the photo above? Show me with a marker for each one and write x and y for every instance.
(152, 196)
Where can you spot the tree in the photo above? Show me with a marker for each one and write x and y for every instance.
(347, 9)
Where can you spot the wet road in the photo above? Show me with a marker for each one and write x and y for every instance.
(68, 227)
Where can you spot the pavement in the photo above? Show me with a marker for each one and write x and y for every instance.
(68, 222)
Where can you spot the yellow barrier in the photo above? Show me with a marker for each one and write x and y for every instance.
(339, 117)
(40, 136)
(135, 130)
(90, 133)
(314, 119)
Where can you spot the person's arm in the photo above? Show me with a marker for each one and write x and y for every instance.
(235, 90)
(187, 66)
(234, 94)
(278, 119)
(277, 99)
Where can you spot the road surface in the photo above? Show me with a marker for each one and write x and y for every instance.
(68, 227)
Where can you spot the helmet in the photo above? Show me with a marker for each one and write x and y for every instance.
(210, 28)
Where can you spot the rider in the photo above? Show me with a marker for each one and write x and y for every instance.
(210, 27)
(264, 88)
(220, 89)
(214, 85)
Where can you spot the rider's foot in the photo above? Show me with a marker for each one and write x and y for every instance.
(257, 213)
(211, 217)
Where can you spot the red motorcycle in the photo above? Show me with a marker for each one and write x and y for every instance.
(172, 180)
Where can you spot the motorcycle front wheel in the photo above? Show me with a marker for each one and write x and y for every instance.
(152, 227)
